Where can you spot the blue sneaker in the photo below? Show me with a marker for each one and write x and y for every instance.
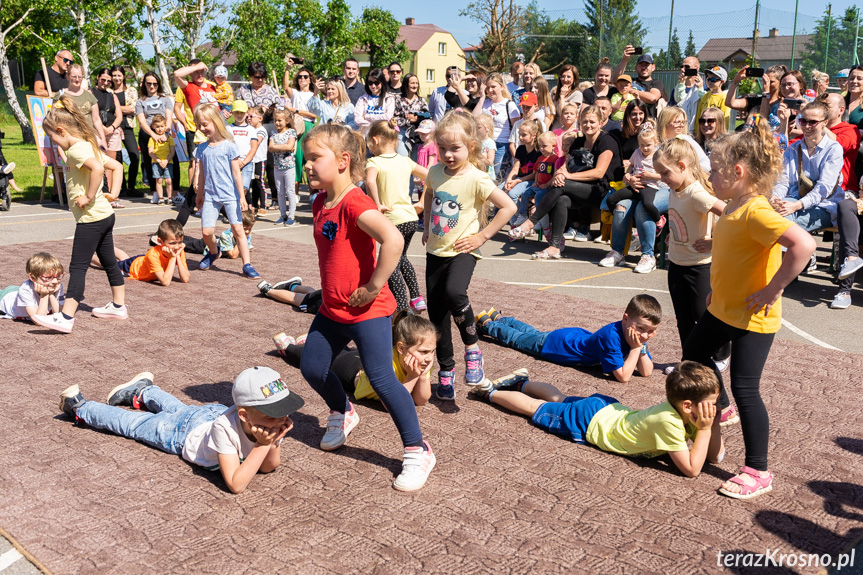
(445, 387)
(208, 260)
(474, 373)
(289, 222)
(250, 272)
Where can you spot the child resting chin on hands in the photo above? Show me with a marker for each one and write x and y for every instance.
(40, 294)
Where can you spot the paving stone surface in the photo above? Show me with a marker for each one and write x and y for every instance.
(505, 497)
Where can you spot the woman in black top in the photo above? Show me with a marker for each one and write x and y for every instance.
(633, 117)
(118, 79)
(111, 116)
(602, 84)
(467, 97)
(582, 189)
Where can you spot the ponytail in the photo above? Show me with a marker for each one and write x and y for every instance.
(386, 131)
(64, 113)
(679, 150)
(756, 149)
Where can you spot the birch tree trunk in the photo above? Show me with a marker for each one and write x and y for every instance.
(153, 25)
(20, 116)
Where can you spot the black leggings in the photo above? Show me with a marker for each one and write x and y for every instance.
(447, 280)
(345, 366)
(688, 287)
(749, 354)
(849, 236)
(403, 282)
(557, 202)
(92, 238)
(132, 149)
(645, 196)
(257, 188)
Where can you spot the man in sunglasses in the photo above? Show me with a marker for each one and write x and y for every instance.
(56, 74)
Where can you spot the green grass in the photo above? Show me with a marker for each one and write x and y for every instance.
(28, 170)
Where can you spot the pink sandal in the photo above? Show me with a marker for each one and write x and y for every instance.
(729, 417)
(762, 484)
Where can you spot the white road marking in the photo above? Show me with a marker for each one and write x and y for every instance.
(65, 212)
(508, 259)
(8, 558)
(807, 336)
(633, 288)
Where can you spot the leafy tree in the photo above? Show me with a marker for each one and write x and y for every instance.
(841, 43)
(184, 28)
(377, 32)
(552, 43)
(690, 49)
(504, 23)
(335, 39)
(675, 54)
(12, 19)
(612, 24)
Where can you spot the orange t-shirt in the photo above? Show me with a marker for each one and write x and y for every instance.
(143, 268)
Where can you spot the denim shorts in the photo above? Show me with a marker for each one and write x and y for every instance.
(246, 173)
(160, 172)
(571, 417)
(210, 212)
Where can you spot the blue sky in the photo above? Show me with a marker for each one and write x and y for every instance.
(689, 14)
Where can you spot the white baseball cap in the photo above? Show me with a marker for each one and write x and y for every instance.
(262, 388)
(220, 71)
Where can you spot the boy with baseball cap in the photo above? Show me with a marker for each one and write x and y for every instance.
(529, 104)
(240, 441)
(714, 78)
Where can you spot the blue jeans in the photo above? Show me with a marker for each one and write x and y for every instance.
(571, 417)
(164, 425)
(621, 222)
(374, 340)
(812, 219)
(501, 152)
(517, 335)
(515, 194)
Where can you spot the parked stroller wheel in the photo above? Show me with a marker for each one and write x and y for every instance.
(5, 200)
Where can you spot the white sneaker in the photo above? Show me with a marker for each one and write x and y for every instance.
(9, 168)
(612, 259)
(416, 466)
(179, 199)
(108, 311)
(569, 234)
(154, 199)
(722, 364)
(55, 321)
(645, 265)
(339, 426)
(813, 265)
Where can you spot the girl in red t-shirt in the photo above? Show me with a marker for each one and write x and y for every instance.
(357, 304)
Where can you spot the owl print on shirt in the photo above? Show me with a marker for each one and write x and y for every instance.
(445, 212)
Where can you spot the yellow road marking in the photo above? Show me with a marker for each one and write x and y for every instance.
(585, 278)
(149, 213)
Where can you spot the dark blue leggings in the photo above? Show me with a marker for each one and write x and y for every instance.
(373, 337)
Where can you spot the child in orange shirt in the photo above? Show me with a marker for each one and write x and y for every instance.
(159, 263)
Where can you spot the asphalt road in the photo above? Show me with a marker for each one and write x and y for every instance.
(806, 317)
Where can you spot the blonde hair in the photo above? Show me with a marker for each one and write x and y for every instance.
(340, 140)
(547, 138)
(590, 110)
(384, 131)
(668, 115)
(211, 113)
(287, 115)
(340, 88)
(64, 113)
(41, 263)
(754, 148)
(537, 73)
(647, 132)
(498, 78)
(678, 150)
(533, 126)
(486, 122)
(543, 95)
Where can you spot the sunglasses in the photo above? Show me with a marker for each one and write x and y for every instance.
(68, 61)
(707, 121)
(808, 123)
(151, 84)
(303, 76)
(395, 71)
(375, 83)
(712, 79)
(259, 77)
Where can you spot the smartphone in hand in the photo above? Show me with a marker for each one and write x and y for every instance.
(754, 72)
(638, 51)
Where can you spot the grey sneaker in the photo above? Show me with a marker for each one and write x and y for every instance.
(127, 394)
(264, 286)
(513, 381)
(841, 301)
(850, 267)
(612, 259)
(290, 284)
(70, 400)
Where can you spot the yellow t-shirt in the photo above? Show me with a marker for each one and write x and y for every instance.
(690, 220)
(745, 259)
(711, 100)
(394, 176)
(648, 432)
(364, 386)
(161, 149)
(456, 206)
(77, 181)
